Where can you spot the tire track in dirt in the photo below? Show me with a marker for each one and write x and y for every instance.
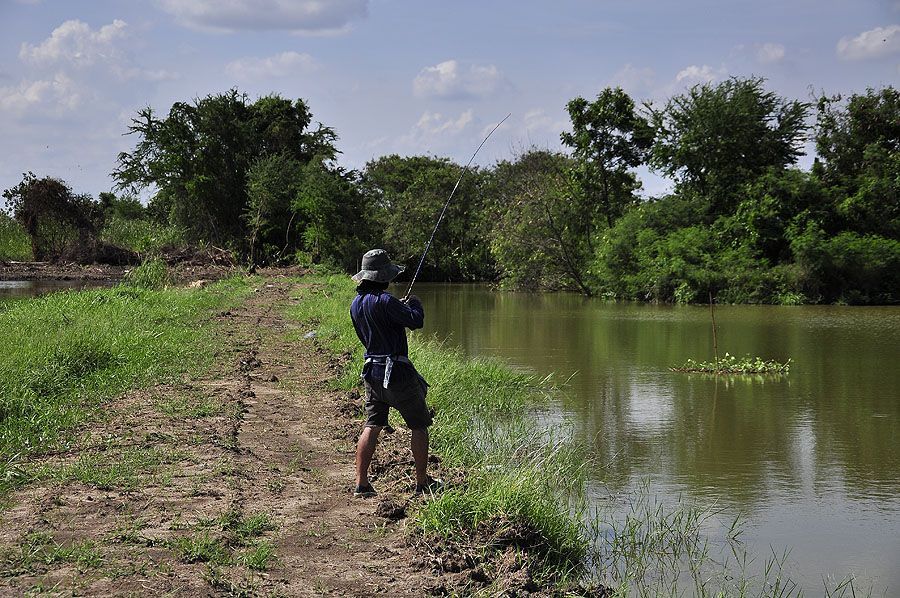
(295, 431)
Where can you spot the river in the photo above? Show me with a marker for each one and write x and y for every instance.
(811, 459)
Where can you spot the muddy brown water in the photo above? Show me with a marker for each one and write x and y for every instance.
(21, 289)
(812, 459)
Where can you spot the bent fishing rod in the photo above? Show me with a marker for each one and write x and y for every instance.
(447, 203)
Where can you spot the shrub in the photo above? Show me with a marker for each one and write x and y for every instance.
(849, 267)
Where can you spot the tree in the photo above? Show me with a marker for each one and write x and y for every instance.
(405, 196)
(538, 237)
(859, 157)
(272, 184)
(56, 220)
(608, 139)
(716, 138)
(336, 226)
(198, 158)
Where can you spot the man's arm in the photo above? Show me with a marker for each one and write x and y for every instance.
(409, 314)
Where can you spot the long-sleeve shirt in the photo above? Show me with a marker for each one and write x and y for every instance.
(381, 320)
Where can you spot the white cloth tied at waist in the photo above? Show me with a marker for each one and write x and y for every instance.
(388, 362)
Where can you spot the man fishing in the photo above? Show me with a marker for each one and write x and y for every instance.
(391, 380)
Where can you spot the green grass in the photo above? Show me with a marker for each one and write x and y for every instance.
(219, 541)
(152, 274)
(201, 548)
(260, 557)
(39, 548)
(243, 529)
(14, 243)
(63, 354)
(139, 235)
(107, 470)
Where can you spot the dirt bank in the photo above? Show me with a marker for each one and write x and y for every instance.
(186, 264)
(182, 273)
(188, 488)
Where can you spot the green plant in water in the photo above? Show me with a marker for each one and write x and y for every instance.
(735, 366)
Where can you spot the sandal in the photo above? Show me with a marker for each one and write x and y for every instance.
(364, 491)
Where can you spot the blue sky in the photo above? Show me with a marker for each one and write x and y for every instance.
(401, 76)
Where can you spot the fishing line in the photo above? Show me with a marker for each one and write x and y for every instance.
(443, 211)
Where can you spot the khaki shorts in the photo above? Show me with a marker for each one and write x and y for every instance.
(409, 400)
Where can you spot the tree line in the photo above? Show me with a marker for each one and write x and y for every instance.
(742, 223)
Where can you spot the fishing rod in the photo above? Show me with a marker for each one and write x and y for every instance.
(452, 193)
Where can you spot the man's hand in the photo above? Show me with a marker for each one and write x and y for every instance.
(409, 298)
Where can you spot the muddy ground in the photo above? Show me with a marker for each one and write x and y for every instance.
(186, 264)
(181, 273)
(234, 482)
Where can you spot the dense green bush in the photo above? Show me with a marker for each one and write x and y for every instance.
(405, 197)
(848, 267)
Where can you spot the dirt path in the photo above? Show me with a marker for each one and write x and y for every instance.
(233, 483)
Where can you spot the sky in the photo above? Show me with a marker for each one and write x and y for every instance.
(403, 76)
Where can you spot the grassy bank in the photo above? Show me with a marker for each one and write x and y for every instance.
(63, 354)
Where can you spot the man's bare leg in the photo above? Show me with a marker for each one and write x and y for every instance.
(420, 455)
(365, 448)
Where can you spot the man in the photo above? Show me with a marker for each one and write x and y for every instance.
(391, 380)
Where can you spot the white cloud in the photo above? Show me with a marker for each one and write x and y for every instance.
(538, 121)
(634, 79)
(435, 133)
(696, 74)
(285, 64)
(56, 95)
(450, 80)
(76, 67)
(434, 123)
(75, 43)
(770, 53)
(875, 43)
(302, 16)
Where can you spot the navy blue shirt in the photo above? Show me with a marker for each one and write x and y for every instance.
(381, 320)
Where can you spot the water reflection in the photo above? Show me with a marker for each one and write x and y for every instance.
(794, 453)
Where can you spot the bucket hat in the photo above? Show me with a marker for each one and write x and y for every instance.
(377, 267)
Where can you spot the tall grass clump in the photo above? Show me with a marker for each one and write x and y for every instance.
(524, 484)
(153, 274)
(141, 235)
(14, 242)
(62, 354)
